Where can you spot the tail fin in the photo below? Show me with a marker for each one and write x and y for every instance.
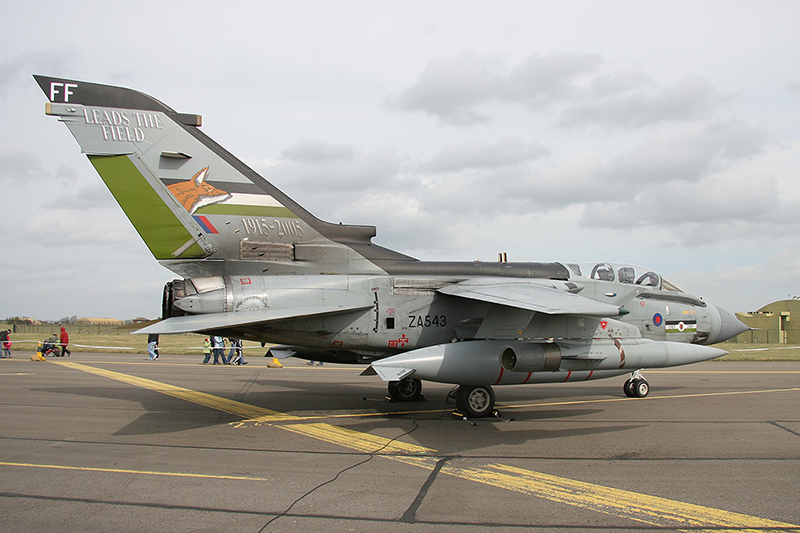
(190, 199)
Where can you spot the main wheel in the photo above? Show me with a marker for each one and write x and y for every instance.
(628, 388)
(406, 390)
(641, 388)
(475, 401)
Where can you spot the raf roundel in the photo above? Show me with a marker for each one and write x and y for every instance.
(657, 319)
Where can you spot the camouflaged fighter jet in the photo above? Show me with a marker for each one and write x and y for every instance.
(256, 265)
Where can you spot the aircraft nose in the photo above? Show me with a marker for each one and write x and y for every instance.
(729, 326)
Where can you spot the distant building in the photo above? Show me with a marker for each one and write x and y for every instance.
(773, 323)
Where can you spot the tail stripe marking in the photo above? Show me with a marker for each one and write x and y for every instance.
(206, 224)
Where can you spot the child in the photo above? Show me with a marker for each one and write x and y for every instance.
(206, 351)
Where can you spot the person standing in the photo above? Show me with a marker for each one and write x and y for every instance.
(5, 341)
(64, 340)
(206, 351)
(152, 346)
(237, 355)
(218, 347)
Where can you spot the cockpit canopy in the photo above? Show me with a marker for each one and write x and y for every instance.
(621, 273)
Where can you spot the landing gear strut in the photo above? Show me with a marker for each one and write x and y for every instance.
(407, 390)
(475, 401)
(636, 386)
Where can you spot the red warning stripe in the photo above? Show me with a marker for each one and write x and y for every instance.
(500, 377)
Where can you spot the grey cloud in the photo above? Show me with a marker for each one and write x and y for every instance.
(32, 62)
(718, 208)
(61, 228)
(27, 168)
(681, 160)
(20, 166)
(450, 88)
(322, 178)
(455, 88)
(543, 79)
(793, 86)
(685, 156)
(503, 153)
(613, 84)
(93, 196)
(316, 152)
(613, 104)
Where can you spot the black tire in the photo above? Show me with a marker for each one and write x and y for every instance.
(628, 388)
(641, 388)
(407, 390)
(475, 401)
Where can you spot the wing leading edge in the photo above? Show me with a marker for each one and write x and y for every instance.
(549, 298)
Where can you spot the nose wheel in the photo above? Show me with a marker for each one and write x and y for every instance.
(407, 390)
(636, 386)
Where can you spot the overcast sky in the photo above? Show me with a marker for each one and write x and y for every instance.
(662, 135)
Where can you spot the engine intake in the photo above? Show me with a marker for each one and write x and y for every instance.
(531, 357)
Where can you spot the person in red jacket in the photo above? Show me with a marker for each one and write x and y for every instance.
(64, 341)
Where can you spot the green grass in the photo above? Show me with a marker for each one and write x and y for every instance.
(759, 352)
(188, 344)
(192, 344)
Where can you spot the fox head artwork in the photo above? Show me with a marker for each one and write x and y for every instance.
(197, 192)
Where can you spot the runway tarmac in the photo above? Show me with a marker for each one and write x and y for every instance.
(110, 442)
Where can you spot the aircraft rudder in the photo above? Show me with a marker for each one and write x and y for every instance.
(164, 234)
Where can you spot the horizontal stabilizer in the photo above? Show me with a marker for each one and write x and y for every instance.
(530, 296)
(217, 321)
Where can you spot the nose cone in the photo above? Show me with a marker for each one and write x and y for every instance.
(729, 326)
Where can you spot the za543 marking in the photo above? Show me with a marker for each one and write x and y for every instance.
(427, 321)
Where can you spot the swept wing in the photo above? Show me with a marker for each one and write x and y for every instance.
(540, 296)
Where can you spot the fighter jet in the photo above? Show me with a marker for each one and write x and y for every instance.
(254, 264)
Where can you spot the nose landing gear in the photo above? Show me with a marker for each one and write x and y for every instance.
(636, 386)
(407, 390)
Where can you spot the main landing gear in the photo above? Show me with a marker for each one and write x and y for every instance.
(472, 401)
(636, 386)
(475, 401)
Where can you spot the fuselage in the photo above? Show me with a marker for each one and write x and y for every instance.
(405, 310)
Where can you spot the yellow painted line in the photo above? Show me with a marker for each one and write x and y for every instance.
(356, 440)
(530, 405)
(250, 364)
(403, 452)
(649, 398)
(616, 502)
(124, 471)
(225, 405)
